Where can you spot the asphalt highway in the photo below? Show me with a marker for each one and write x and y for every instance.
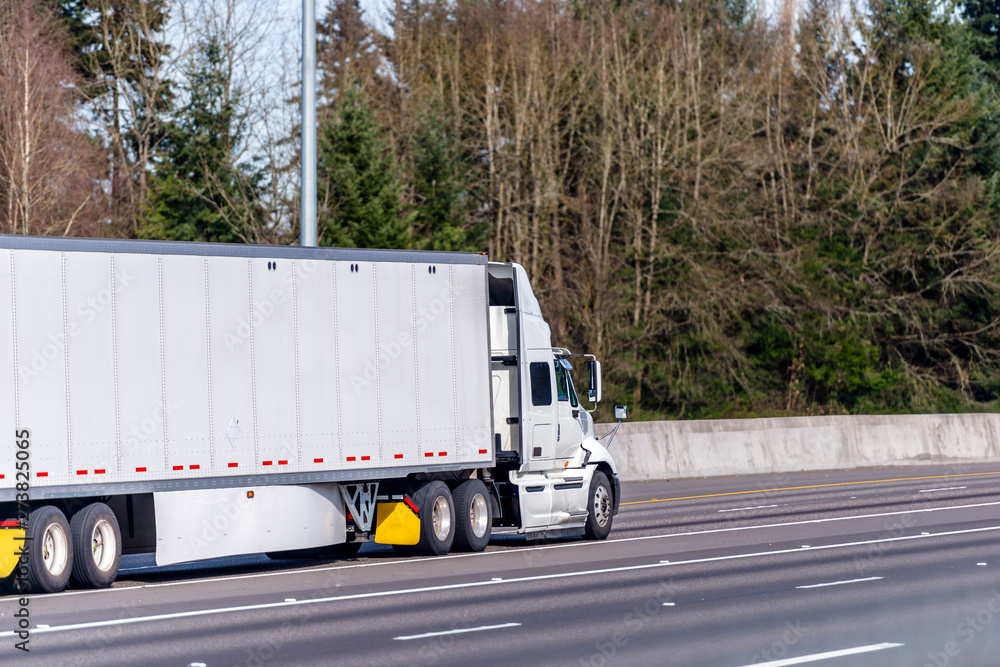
(885, 566)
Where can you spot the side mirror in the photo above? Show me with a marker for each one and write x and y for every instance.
(621, 412)
(594, 381)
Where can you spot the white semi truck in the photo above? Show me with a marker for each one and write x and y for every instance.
(205, 400)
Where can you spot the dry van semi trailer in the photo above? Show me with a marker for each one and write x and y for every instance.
(202, 400)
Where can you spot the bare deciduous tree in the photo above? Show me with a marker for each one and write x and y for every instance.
(49, 174)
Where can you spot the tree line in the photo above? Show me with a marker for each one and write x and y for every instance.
(744, 210)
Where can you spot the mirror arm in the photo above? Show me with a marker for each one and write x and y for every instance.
(611, 433)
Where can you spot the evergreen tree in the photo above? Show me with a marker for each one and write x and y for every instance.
(199, 191)
(359, 183)
(127, 25)
(118, 50)
(983, 17)
(346, 51)
(441, 187)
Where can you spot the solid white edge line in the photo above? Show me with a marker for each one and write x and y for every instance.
(476, 584)
(826, 656)
(584, 544)
(459, 631)
(838, 583)
(949, 488)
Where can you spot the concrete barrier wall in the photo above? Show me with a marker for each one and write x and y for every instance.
(670, 449)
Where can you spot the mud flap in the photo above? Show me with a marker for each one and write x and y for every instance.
(397, 523)
(11, 541)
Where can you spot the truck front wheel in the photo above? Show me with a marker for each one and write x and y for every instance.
(600, 507)
(51, 556)
(437, 519)
(97, 545)
(474, 516)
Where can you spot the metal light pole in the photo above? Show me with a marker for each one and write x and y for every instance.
(307, 189)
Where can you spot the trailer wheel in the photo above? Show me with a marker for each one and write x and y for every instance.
(51, 557)
(600, 507)
(97, 544)
(474, 515)
(437, 519)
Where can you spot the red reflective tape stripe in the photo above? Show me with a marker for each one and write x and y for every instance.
(41, 474)
(317, 460)
(100, 471)
(351, 458)
(482, 451)
(282, 463)
(267, 463)
(143, 469)
(194, 467)
(10, 523)
(1, 476)
(178, 467)
(399, 456)
(442, 453)
(409, 503)
(428, 453)
(81, 472)
(232, 465)
(366, 458)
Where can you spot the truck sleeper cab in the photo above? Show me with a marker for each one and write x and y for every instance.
(558, 479)
(199, 401)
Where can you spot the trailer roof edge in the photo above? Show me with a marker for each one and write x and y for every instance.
(76, 244)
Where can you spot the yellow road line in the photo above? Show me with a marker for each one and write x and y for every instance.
(813, 486)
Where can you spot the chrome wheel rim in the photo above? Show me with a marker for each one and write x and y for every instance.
(102, 545)
(55, 550)
(602, 505)
(479, 515)
(441, 517)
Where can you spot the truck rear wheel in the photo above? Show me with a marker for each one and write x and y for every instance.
(51, 556)
(600, 507)
(437, 519)
(97, 545)
(474, 515)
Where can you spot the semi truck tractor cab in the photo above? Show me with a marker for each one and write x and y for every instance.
(554, 477)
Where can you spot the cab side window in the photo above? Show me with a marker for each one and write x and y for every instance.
(541, 383)
(564, 383)
(562, 386)
(573, 400)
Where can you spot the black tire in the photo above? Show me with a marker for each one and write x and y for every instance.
(97, 546)
(474, 516)
(600, 507)
(437, 519)
(50, 559)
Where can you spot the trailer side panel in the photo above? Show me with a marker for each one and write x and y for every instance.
(164, 371)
